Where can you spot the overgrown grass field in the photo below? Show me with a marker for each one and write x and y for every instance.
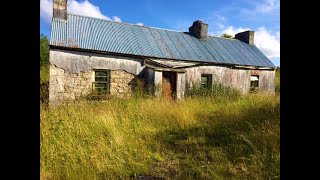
(198, 138)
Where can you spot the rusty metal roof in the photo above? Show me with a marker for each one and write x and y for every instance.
(101, 35)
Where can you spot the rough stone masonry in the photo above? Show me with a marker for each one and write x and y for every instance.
(72, 74)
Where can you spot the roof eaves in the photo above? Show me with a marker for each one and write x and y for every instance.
(148, 57)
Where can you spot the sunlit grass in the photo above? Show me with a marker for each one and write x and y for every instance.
(44, 73)
(197, 138)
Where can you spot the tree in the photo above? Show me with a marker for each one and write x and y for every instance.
(225, 35)
(44, 50)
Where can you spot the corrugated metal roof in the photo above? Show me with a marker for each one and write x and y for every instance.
(102, 35)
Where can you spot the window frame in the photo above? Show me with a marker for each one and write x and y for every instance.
(254, 88)
(107, 82)
(209, 81)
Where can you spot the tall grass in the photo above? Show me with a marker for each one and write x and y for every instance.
(217, 91)
(278, 80)
(44, 84)
(197, 138)
(44, 73)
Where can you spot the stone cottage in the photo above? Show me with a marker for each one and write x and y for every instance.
(88, 54)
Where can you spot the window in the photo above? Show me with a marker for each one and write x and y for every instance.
(254, 85)
(101, 81)
(206, 80)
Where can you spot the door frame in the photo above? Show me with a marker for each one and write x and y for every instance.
(173, 82)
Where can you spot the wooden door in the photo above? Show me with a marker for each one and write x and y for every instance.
(169, 84)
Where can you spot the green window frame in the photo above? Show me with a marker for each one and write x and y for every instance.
(206, 80)
(101, 82)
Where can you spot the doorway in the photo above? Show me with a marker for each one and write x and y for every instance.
(169, 84)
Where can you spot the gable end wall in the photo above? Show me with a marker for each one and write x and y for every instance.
(72, 74)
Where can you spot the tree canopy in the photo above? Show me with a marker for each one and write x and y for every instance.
(44, 50)
(225, 35)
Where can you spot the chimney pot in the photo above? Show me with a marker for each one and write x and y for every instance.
(199, 29)
(60, 9)
(246, 36)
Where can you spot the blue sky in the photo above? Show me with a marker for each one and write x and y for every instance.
(231, 16)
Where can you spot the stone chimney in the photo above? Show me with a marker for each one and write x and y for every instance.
(246, 36)
(199, 30)
(60, 9)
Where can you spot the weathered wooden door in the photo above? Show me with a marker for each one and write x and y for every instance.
(169, 84)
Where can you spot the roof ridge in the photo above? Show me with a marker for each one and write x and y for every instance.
(124, 23)
(144, 26)
(222, 37)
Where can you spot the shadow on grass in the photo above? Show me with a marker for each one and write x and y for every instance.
(249, 141)
(44, 93)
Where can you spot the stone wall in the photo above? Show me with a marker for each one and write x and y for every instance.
(121, 83)
(235, 78)
(65, 86)
(76, 62)
(72, 74)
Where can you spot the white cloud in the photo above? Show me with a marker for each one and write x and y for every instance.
(262, 7)
(268, 6)
(232, 31)
(219, 21)
(116, 19)
(46, 10)
(216, 20)
(267, 42)
(220, 18)
(220, 25)
(140, 24)
(278, 35)
(84, 8)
